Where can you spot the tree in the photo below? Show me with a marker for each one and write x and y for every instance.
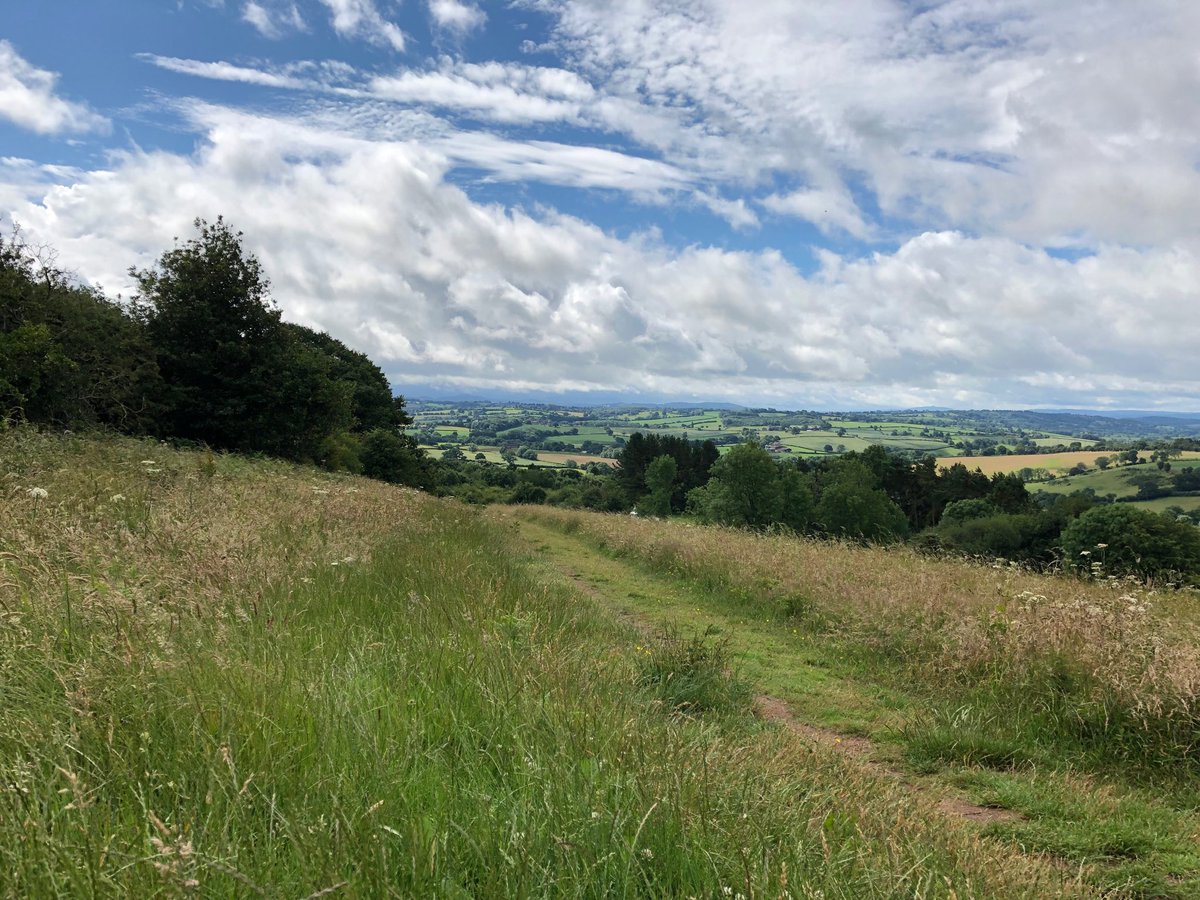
(217, 336)
(797, 503)
(69, 357)
(660, 482)
(372, 404)
(693, 462)
(743, 489)
(1127, 540)
(852, 506)
(390, 456)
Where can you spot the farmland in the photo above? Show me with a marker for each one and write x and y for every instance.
(996, 441)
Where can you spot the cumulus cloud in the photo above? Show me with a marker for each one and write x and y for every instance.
(1064, 122)
(372, 241)
(28, 99)
(456, 16)
(360, 19)
(830, 209)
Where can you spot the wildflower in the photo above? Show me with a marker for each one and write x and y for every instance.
(1085, 552)
(1102, 546)
(38, 493)
(647, 853)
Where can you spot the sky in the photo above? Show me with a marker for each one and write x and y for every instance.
(793, 203)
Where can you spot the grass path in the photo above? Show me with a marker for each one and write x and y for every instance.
(1123, 840)
(798, 682)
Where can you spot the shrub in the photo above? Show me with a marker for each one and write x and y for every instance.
(1125, 540)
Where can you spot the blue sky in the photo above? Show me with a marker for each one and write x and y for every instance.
(802, 204)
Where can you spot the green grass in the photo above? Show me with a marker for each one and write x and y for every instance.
(279, 683)
(1123, 811)
(1114, 480)
(1162, 504)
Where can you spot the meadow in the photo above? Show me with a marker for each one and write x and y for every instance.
(226, 677)
(1069, 705)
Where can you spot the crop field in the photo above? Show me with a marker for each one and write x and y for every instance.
(1051, 462)
(581, 458)
(1116, 479)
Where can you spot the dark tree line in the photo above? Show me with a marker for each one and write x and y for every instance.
(201, 355)
(881, 497)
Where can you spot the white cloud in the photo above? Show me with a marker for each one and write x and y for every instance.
(830, 209)
(500, 92)
(368, 239)
(360, 19)
(224, 71)
(456, 16)
(1046, 122)
(273, 20)
(28, 99)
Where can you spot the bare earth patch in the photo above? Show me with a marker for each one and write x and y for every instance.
(860, 748)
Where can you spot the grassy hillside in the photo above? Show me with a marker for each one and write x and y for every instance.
(1064, 709)
(236, 678)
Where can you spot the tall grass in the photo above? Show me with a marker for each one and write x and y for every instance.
(237, 679)
(1105, 669)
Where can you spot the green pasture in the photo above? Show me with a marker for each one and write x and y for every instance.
(1110, 481)
(1162, 504)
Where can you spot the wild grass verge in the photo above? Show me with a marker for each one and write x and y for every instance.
(241, 679)
(1021, 668)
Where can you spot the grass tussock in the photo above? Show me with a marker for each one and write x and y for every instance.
(227, 678)
(1110, 668)
(693, 675)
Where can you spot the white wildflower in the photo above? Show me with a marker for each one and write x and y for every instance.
(647, 853)
(38, 493)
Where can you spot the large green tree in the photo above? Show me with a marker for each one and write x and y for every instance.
(218, 338)
(743, 489)
(852, 505)
(660, 482)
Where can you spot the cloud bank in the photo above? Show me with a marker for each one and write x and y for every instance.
(965, 203)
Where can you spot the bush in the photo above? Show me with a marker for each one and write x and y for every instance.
(1124, 540)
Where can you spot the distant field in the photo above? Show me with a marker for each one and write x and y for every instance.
(548, 460)
(1052, 462)
(1113, 480)
(1162, 504)
(581, 458)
